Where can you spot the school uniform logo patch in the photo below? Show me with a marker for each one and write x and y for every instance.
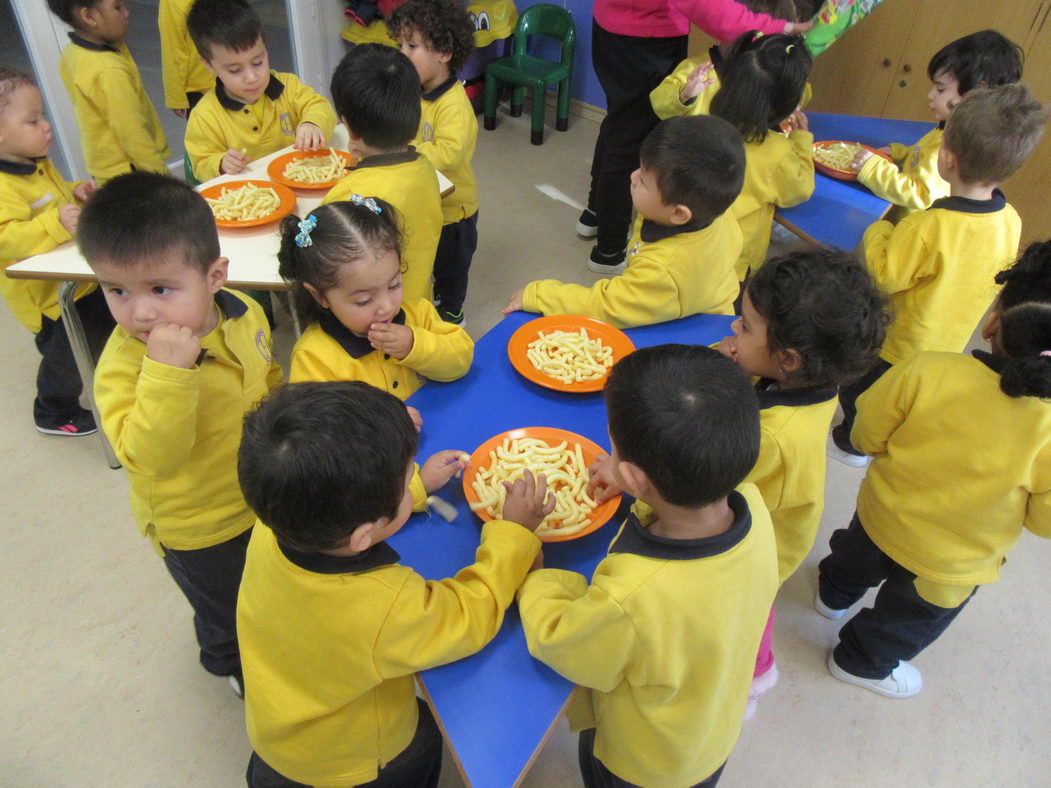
(427, 132)
(915, 158)
(263, 346)
(41, 202)
(286, 124)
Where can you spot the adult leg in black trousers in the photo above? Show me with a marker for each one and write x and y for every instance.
(848, 398)
(452, 263)
(596, 775)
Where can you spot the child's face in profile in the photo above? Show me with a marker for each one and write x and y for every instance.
(368, 291)
(108, 20)
(647, 199)
(431, 65)
(944, 95)
(25, 133)
(246, 74)
(748, 347)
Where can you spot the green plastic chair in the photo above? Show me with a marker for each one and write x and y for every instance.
(522, 70)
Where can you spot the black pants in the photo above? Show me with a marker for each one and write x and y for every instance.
(596, 775)
(848, 398)
(628, 68)
(58, 383)
(452, 261)
(210, 578)
(900, 623)
(417, 766)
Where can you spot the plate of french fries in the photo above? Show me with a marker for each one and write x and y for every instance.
(561, 456)
(567, 352)
(833, 158)
(249, 203)
(317, 169)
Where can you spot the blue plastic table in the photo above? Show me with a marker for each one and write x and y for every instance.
(497, 707)
(839, 212)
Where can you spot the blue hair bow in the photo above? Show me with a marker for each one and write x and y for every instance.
(368, 202)
(306, 227)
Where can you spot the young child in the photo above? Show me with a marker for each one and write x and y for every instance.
(186, 362)
(376, 91)
(39, 210)
(762, 85)
(936, 517)
(332, 627)
(186, 77)
(252, 111)
(937, 265)
(438, 37)
(662, 643)
(682, 253)
(344, 266)
(913, 181)
(119, 127)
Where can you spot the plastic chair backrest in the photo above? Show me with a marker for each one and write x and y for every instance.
(547, 20)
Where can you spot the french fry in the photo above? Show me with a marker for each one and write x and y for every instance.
(838, 155)
(570, 356)
(315, 169)
(245, 204)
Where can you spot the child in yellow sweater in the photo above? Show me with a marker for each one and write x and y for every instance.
(186, 77)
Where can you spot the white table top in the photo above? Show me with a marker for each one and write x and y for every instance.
(252, 251)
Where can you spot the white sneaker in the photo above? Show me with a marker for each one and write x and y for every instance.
(828, 612)
(903, 682)
(765, 682)
(845, 457)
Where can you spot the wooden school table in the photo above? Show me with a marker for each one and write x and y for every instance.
(497, 708)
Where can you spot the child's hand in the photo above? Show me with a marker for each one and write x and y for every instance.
(728, 347)
(601, 472)
(391, 338)
(794, 28)
(885, 149)
(797, 121)
(181, 113)
(309, 137)
(83, 190)
(700, 78)
(515, 304)
(417, 419)
(440, 467)
(860, 158)
(527, 501)
(68, 216)
(173, 345)
(234, 161)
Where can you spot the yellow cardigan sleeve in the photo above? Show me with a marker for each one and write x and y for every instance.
(22, 236)
(882, 409)
(1038, 514)
(115, 91)
(452, 130)
(768, 474)
(311, 106)
(910, 190)
(205, 145)
(440, 350)
(794, 181)
(896, 255)
(898, 152)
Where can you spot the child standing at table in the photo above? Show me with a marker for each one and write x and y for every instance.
(332, 627)
(186, 362)
(913, 181)
(682, 253)
(376, 91)
(961, 464)
(186, 77)
(662, 643)
(119, 127)
(252, 111)
(938, 265)
(438, 37)
(39, 210)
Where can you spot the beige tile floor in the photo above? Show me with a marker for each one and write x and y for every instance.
(98, 674)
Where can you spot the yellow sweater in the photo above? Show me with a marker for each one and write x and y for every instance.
(177, 430)
(182, 69)
(329, 646)
(672, 272)
(220, 123)
(119, 127)
(958, 469)
(662, 642)
(938, 267)
(448, 131)
(409, 182)
(328, 350)
(30, 196)
(911, 180)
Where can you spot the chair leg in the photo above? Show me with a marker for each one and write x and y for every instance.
(516, 101)
(562, 120)
(537, 131)
(489, 110)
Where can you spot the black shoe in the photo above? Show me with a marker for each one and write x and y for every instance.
(452, 317)
(587, 224)
(81, 424)
(237, 683)
(608, 264)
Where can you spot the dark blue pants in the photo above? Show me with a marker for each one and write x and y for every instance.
(452, 262)
(596, 775)
(848, 398)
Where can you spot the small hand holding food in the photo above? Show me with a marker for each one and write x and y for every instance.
(885, 149)
(527, 501)
(234, 161)
(797, 121)
(440, 467)
(83, 191)
(515, 304)
(395, 339)
(68, 216)
(601, 477)
(173, 345)
(700, 78)
(417, 419)
(860, 158)
(309, 136)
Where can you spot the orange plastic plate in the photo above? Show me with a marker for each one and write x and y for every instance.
(842, 175)
(288, 202)
(518, 344)
(276, 168)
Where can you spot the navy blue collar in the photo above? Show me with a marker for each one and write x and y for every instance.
(967, 205)
(385, 159)
(770, 397)
(85, 44)
(274, 88)
(651, 232)
(635, 538)
(231, 305)
(355, 346)
(19, 168)
(996, 363)
(441, 90)
(379, 554)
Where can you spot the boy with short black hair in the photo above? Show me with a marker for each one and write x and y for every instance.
(119, 128)
(662, 643)
(438, 37)
(186, 362)
(332, 627)
(252, 111)
(682, 253)
(376, 91)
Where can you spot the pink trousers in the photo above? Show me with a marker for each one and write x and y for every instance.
(765, 659)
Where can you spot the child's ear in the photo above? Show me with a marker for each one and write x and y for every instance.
(992, 326)
(636, 482)
(444, 57)
(680, 214)
(217, 274)
(361, 537)
(789, 360)
(316, 295)
(86, 15)
(947, 158)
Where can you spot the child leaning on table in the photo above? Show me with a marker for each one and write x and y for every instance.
(662, 643)
(252, 110)
(39, 210)
(187, 360)
(119, 128)
(376, 91)
(938, 265)
(961, 464)
(186, 77)
(332, 627)
(682, 252)
(913, 181)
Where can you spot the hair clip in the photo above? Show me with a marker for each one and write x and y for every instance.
(367, 202)
(756, 36)
(306, 227)
(789, 48)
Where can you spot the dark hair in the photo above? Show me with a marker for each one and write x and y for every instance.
(761, 82)
(825, 305)
(444, 25)
(1024, 306)
(66, 10)
(992, 131)
(983, 59)
(233, 24)
(376, 90)
(345, 232)
(686, 416)
(10, 81)
(317, 460)
(140, 216)
(788, 10)
(698, 161)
